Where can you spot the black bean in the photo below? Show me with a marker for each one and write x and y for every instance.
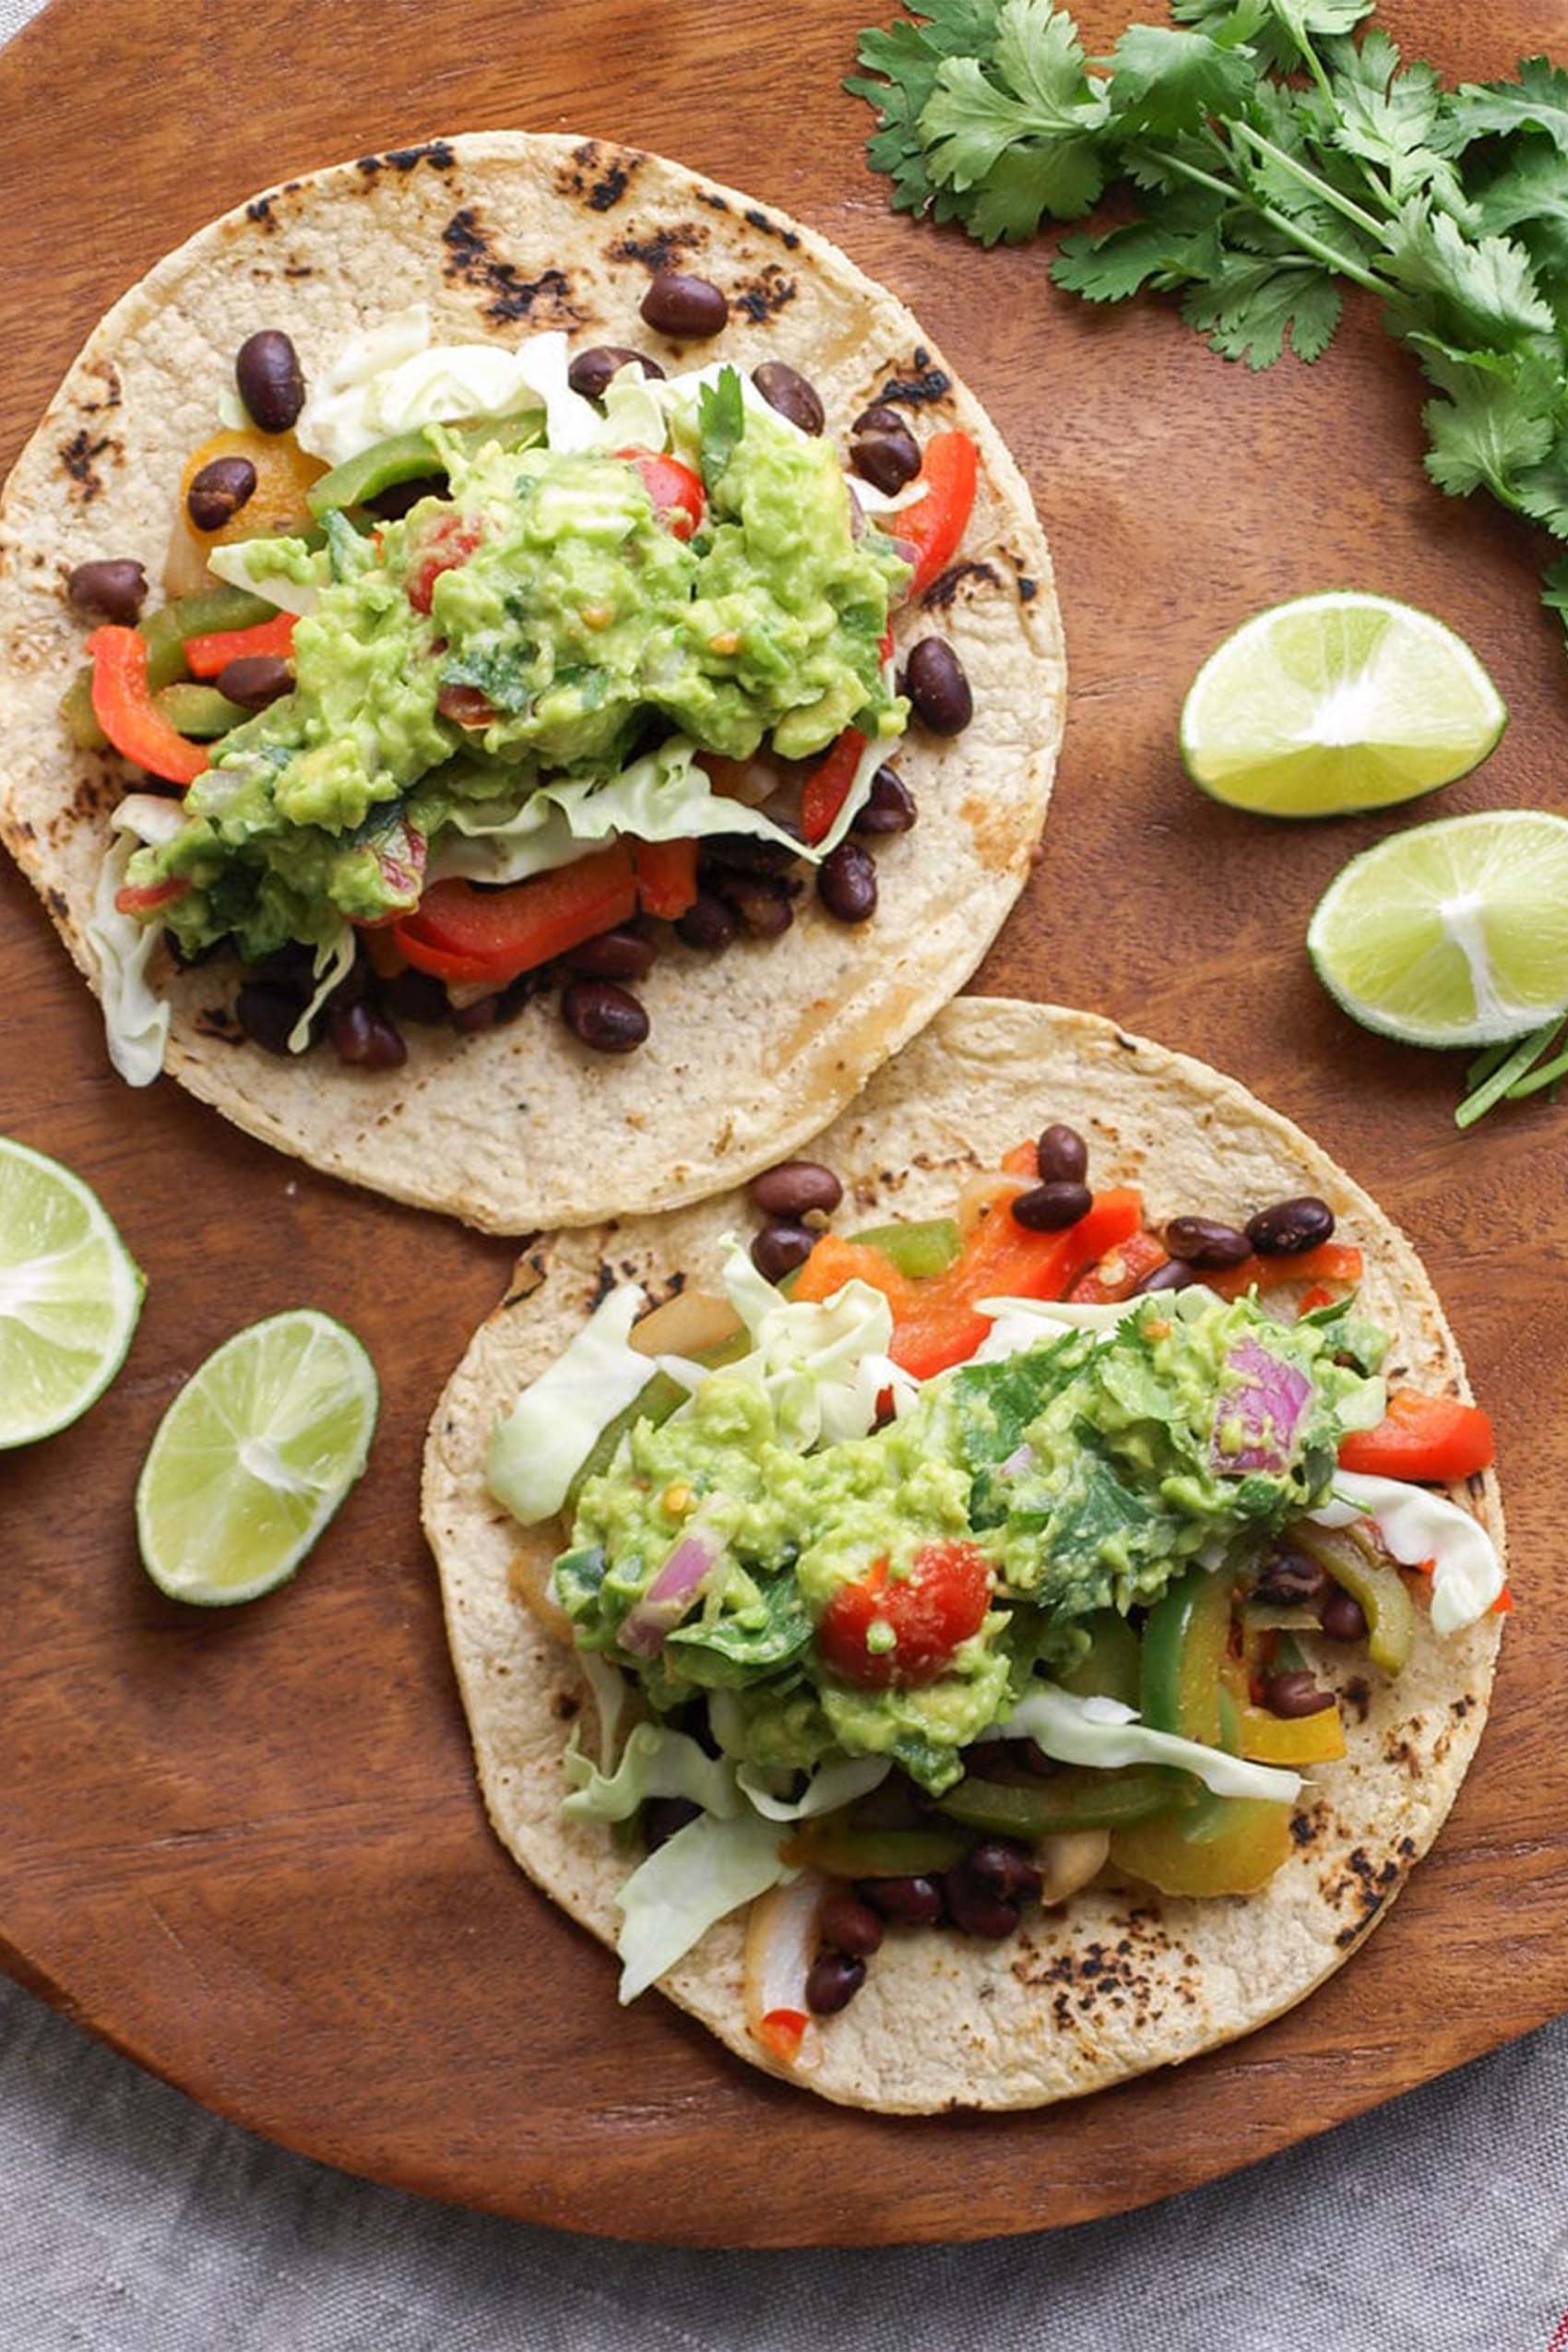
(832, 1981)
(392, 504)
(110, 590)
(365, 1040)
(779, 1248)
(887, 456)
(253, 680)
(473, 1020)
(850, 1925)
(662, 1816)
(880, 418)
(1062, 1156)
(913, 1902)
(266, 369)
(1174, 1274)
(784, 388)
(761, 902)
(604, 1017)
(937, 688)
(889, 806)
(973, 1908)
(293, 967)
(1342, 1617)
(687, 309)
(218, 491)
(1004, 1869)
(707, 922)
(796, 1187)
(1289, 1580)
(614, 956)
(1201, 1241)
(590, 372)
(845, 883)
(1295, 1694)
(1049, 1208)
(733, 853)
(1290, 1226)
(267, 1012)
(415, 996)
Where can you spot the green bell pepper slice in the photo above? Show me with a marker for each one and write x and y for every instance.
(1184, 1648)
(655, 1403)
(408, 457)
(918, 1250)
(165, 632)
(1375, 1583)
(1113, 1669)
(199, 711)
(844, 1848)
(1072, 1799)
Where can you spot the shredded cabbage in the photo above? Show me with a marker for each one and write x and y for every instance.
(334, 961)
(1105, 1734)
(656, 1761)
(830, 1786)
(611, 1692)
(701, 1874)
(254, 563)
(395, 379)
(822, 1367)
(135, 1018)
(556, 1422)
(1417, 1526)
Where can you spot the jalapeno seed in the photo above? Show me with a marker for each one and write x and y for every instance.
(218, 491)
(935, 683)
(687, 309)
(832, 1981)
(889, 806)
(786, 389)
(109, 590)
(845, 883)
(591, 371)
(1050, 1208)
(613, 956)
(606, 1017)
(706, 923)
(796, 1187)
(913, 1902)
(1290, 1226)
(253, 680)
(850, 1925)
(779, 1248)
(1294, 1694)
(1342, 1617)
(1062, 1156)
(1201, 1241)
(266, 369)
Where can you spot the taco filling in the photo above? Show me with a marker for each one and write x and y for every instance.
(518, 657)
(974, 1562)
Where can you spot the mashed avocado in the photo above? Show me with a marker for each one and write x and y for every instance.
(542, 620)
(1088, 1471)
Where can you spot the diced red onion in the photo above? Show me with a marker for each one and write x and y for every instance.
(672, 1593)
(1269, 1398)
(1021, 1458)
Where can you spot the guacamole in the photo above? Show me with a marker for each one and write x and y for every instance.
(542, 620)
(1088, 1472)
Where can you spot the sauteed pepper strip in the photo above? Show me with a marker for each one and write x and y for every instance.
(123, 704)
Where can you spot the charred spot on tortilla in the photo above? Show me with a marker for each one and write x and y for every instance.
(946, 586)
(79, 457)
(760, 221)
(259, 209)
(473, 261)
(599, 175)
(925, 384)
(662, 249)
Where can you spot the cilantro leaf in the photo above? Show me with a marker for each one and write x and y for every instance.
(1396, 119)
(1275, 32)
(1032, 104)
(1494, 420)
(1180, 245)
(901, 64)
(1529, 194)
(1536, 101)
(1250, 302)
(1167, 82)
(721, 421)
(1486, 288)
(1554, 590)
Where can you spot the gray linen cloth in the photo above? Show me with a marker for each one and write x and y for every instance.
(131, 2221)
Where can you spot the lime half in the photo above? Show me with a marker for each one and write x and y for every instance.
(1454, 933)
(1335, 703)
(254, 1456)
(70, 1294)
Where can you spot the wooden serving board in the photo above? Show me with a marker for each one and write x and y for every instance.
(247, 1848)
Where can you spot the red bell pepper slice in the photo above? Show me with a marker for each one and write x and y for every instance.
(929, 531)
(1337, 1262)
(1121, 1270)
(676, 491)
(206, 656)
(934, 1322)
(1433, 1438)
(123, 708)
(462, 933)
(828, 786)
(667, 877)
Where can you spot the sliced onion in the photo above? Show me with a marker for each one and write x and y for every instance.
(781, 1943)
(1067, 1861)
(1269, 1398)
(673, 1591)
(688, 1325)
(991, 1188)
(529, 1582)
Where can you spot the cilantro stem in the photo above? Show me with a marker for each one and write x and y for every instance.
(1507, 1073)
(1319, 187)
(1280, 220)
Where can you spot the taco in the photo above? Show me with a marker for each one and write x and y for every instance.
(516, 568)
(1029, 1642)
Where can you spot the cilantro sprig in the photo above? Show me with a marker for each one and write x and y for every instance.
(1266, 153)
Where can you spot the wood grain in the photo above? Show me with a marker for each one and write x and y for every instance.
(247, 1848)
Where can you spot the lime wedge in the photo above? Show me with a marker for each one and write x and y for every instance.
(1454, 933)
(1338, 702)
(254, 1456)
(70, 1294)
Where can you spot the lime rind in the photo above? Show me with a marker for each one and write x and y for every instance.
(70, 1296)
(1452, 934)
(1338, 703)
(254, 1457)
